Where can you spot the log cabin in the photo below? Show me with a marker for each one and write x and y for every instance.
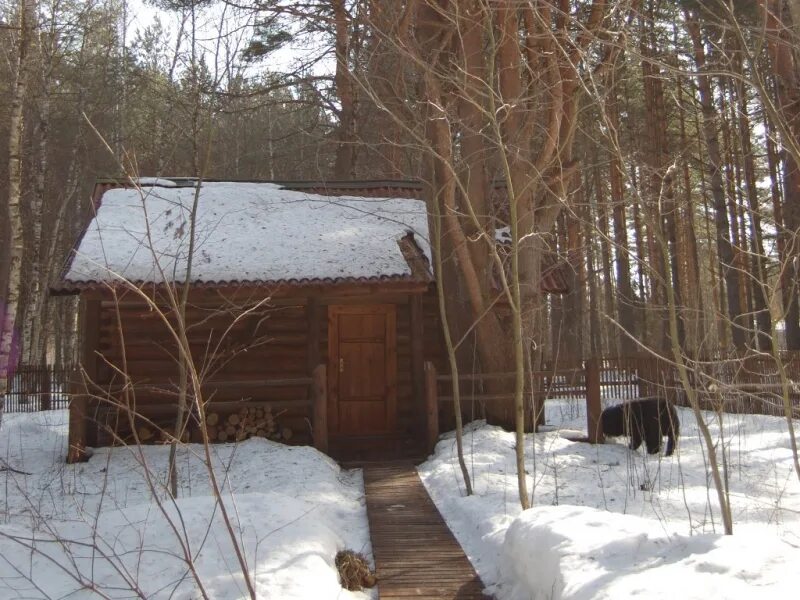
(310, 314)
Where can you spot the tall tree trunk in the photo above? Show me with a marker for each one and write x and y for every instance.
(714, 270)
(758, 267)
(776, 197)
(469, 293)
(602, 207)
(492, 349)
(474, 152)
(479, 223)
(575, 310)
(346, 134)
(655, 157)
(595, 338)
(710, 127)
(559, 312)
(690, 261)
(787, 90)
(733, 187)
(38, 284)
(626, 302)
(10, 305)
(525, 261)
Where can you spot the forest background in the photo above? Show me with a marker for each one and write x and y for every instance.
(650, 146)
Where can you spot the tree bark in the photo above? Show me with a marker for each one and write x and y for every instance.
(38, 282)
(471, 110)
(776, 197)
(655, 153)
(595, 330)
(757, 264)
(710, 127)
(524, 291)
(781, 50)
(344, 168)
(608, 307)
(10, 306)
(492, 348)
(735, 217)
(625, 297)
(690, 261)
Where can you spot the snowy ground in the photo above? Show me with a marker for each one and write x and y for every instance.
(663, 540)
(95, 530)
(607, 523)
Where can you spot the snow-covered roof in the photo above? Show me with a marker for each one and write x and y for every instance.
(246, 233)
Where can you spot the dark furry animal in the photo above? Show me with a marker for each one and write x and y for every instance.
(647, 419)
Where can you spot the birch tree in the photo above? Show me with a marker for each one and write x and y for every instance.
(27, 15)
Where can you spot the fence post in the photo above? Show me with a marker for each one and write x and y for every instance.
(78, 414)
(431, 405)
(45, 400)
(593, 405)
(319, 424)
(11, 394)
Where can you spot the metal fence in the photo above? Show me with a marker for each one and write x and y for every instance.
(732, 384)
(39, 387)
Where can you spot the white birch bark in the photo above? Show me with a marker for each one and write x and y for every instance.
(38, 283)
(8, 309)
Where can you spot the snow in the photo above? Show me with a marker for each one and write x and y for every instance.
(611, 523)
(585, 553)
(159, 181)
(97, 529)
(255, 232)
(606, 523)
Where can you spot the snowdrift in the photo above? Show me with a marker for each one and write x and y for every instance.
(97, 530)
(581, 553)
(623, 523)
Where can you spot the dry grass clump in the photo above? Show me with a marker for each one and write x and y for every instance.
(354, 571)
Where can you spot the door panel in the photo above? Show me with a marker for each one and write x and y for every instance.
(362, 327)
(362, 418)
(362, 369)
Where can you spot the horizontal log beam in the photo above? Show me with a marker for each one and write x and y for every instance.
(248, 384)
(235, 404)
(156, 410)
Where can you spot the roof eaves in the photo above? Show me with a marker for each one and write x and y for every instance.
(67, 287)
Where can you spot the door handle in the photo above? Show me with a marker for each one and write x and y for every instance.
(341, 365)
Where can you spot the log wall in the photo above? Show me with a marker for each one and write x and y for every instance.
(240, 343)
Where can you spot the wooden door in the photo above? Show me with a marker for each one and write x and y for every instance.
(362, 368)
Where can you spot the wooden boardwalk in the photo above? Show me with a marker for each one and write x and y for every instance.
(416, 555)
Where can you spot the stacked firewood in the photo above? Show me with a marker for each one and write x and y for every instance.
(249, 421)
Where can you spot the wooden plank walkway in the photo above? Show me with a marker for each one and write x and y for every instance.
(416, 555)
